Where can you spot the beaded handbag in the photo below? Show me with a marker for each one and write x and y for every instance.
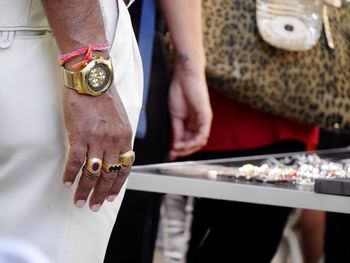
(293, 25)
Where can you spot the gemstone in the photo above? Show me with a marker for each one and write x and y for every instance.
(114, 168)
(95, 166)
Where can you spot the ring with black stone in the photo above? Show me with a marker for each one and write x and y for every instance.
(111, 168)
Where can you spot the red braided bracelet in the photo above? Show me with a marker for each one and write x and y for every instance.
(87, 51)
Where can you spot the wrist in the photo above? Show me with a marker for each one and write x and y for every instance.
(190, 67)
(190, 61)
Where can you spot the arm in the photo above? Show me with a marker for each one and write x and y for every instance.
(98, 127)
(189, 103)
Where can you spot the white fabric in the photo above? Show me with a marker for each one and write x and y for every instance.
(34, 204)
(130, 3)
(14, 250)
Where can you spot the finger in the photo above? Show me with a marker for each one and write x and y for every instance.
(174, 154)
(75, 160)
(197, 135)
(118, 183)
(178, 132)
(106, 181)
(194, 140)
(88, 178)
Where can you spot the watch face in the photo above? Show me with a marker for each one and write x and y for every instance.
(98, 77)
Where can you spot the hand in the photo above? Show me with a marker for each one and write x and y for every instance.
(190, 111)
(98, 127)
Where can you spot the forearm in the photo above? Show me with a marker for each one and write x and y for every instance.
(75, 23)
(189, 104)
(184, 21)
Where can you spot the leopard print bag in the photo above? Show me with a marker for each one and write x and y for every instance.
(311, 87)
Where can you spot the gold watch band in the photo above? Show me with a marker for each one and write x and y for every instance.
(72, 79)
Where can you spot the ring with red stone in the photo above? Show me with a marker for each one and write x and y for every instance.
(94, 166)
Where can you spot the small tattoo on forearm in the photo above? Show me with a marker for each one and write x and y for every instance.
(183, 57)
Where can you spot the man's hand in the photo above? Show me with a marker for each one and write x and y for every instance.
(190, 111)
(98, 127)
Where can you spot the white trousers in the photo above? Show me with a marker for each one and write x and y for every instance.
(34, 205)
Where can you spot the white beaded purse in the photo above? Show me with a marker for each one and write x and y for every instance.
(294, 25)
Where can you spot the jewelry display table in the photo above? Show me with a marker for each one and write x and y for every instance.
(153, 178)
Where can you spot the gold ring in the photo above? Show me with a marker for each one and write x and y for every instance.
(111, 168)
(127, 159)
(94, 165)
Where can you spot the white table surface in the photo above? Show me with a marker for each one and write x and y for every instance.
(144, 179)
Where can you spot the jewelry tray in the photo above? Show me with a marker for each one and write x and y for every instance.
(219, 179)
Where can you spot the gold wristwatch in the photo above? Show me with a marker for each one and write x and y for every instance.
(95, 78)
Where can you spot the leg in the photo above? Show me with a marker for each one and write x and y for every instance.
(311, 225)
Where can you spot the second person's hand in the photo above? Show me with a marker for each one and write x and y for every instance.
(190, 110)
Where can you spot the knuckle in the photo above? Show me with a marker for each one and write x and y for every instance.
(99, 196)
(109, 177)
(115, 190)
(121, 140)
(90, 177)
(82, 193)
(125, 137)
(124, 172)
(114, 138)
(85, 192)
(118, 182)
(76, 158)
(76, 163)
(98, 135)
(126, 132)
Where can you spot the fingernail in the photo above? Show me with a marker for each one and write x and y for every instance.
(111, 198)
(80, 203)
(95, 208)
(67, 184)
